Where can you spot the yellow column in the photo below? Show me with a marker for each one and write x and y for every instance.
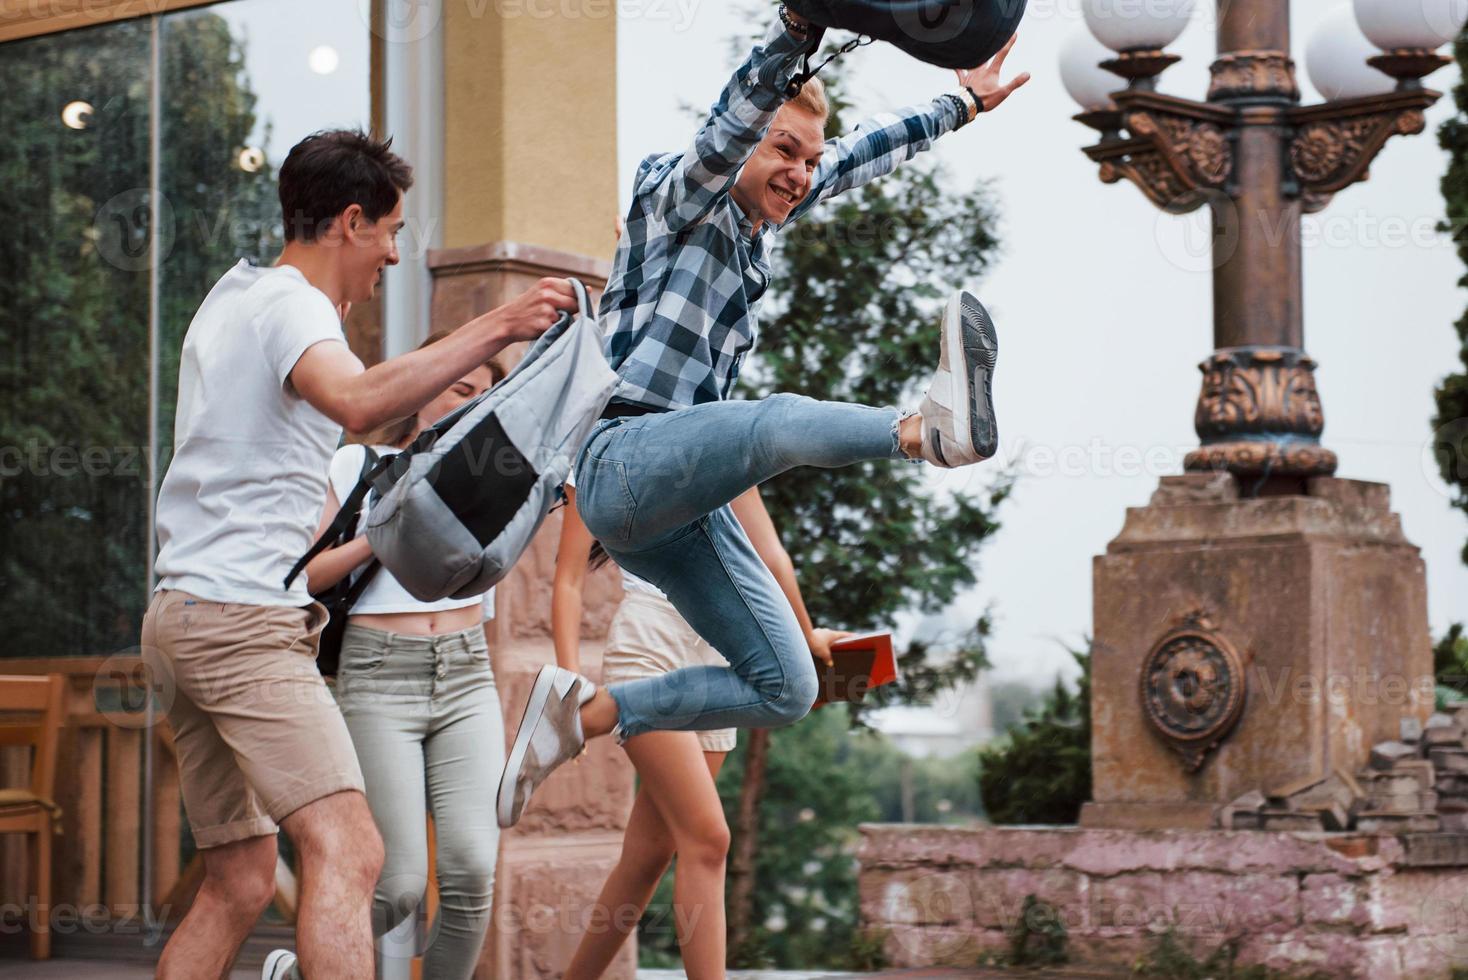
(530, 123)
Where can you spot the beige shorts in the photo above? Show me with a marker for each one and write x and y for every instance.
(257, 732)
(648, 638)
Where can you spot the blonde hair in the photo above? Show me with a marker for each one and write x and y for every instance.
(812, 98)
(397, 432)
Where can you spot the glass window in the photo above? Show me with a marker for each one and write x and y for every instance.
(242, 83)
(74, 325)
(238, 84)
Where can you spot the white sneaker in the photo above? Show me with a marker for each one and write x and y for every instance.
(958, 410)
(278, 965)
(550, 734)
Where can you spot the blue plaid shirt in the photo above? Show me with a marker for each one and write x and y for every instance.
(678, 312)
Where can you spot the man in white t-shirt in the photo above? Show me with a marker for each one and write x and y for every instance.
(266, 384)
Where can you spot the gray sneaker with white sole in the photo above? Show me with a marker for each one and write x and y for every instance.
(958, 410)
(549, 734)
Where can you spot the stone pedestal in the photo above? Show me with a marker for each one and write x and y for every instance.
(1258, 644)
(553, 863)
(1337, 905)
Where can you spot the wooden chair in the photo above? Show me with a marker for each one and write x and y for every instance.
(32, 713)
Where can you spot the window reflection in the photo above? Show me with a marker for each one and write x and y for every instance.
(74, 326)
(239, 84)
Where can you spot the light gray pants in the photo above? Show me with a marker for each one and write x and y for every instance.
(425, 719)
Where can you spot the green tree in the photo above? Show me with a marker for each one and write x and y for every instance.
(1450, 665)
(74, 287)
(1041, 773)
(1450, 424)
(853, 315)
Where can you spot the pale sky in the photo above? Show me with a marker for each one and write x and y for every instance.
(1104, 307)
(1103, 303)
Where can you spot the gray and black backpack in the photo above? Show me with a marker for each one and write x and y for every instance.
(452, 513)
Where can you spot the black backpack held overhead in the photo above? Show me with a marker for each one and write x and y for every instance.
(946, 33)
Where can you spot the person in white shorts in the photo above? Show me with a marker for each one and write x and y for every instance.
(677, 808)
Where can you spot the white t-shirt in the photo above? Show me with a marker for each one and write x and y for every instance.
(630, 582)
(384, 594)
(242, 495)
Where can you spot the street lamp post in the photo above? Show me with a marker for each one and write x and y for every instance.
(1260, 161)
(1258, 573)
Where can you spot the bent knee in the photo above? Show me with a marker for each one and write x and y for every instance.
(796, 697)
(467, 874)
(364, 857)
(357, 858)
(397, 897)
(244, 893)
(706, 844)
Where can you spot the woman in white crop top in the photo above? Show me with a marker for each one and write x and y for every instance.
(677, 809)
(419, 699)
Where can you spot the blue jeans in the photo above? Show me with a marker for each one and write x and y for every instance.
(655, 490)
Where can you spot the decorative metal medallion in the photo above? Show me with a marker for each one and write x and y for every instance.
(1193, 688)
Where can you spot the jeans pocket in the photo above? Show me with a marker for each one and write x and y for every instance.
(360, 656)
(604, 499)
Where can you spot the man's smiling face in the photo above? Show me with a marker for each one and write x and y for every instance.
(777, 175)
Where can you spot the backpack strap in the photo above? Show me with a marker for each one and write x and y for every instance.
(807, 73)
(364, 579)
(346, 517)
(583, 299)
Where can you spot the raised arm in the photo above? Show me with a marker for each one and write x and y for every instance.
(331, 378)
(876, 147)
(679, 190)
(880, 143)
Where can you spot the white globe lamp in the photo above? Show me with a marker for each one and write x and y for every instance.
(1126, 25)
(1081, 72)
(1396, 25)
(1335, 59)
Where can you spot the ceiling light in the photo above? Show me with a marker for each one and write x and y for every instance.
(77, 115)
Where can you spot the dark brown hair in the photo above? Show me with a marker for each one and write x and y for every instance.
(329, 171)
(394, 433)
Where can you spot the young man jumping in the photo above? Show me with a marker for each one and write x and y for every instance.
(656, 477)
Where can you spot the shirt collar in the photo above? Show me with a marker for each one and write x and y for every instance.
(746, 225)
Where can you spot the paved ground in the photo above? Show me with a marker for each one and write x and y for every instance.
(101, 970)
(89, 970)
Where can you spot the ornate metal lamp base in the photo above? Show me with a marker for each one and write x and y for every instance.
(1256, 459)
(1259, 414)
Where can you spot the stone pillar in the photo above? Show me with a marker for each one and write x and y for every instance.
(1257, 644)
(530, 190)
(553, 863)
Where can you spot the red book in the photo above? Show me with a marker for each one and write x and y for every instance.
(859, 663)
